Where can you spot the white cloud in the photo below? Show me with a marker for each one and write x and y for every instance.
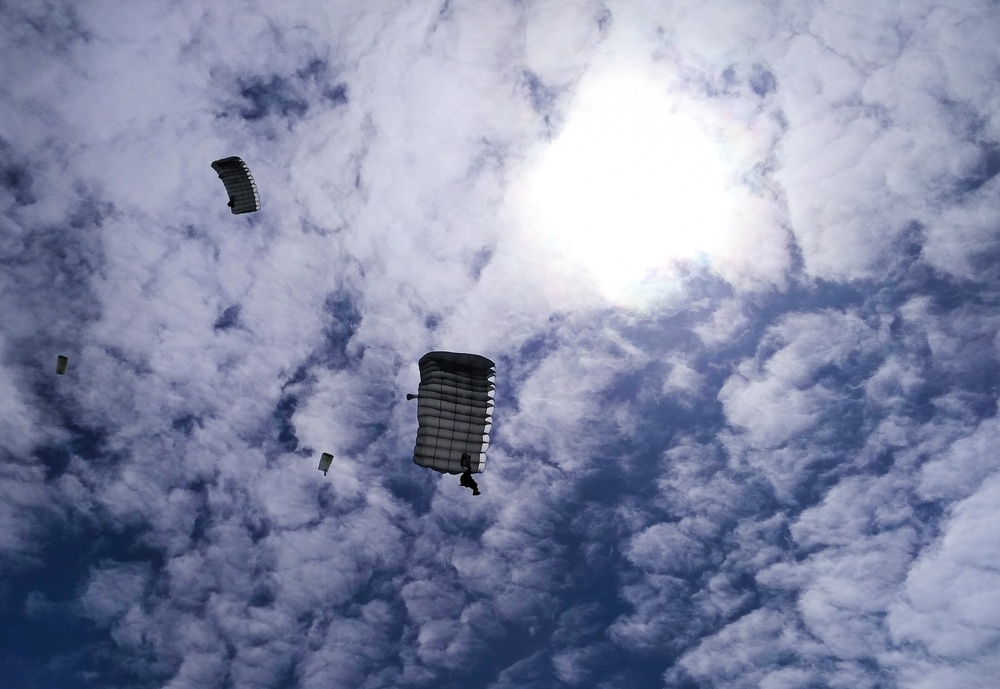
(964, 467)
(112, 590)
(945, 621)
(810, 507)
(779, 398)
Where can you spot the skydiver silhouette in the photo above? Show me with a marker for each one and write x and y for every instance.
(466, 480)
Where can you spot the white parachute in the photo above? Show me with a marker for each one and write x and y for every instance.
(454, 411)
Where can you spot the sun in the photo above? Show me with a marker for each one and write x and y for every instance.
(629, 188)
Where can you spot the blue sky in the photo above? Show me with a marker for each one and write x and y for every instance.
(736, 263)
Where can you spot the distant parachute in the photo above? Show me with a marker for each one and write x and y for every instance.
(235, 174)
(325, 460)
(62, 363)
(454, 411)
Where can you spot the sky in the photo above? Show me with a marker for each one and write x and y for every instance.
(736, 263)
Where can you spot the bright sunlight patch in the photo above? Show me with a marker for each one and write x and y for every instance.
(629, 188)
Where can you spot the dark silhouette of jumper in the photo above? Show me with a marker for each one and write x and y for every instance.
(466, 479)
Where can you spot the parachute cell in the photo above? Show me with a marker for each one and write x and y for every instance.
(242, 190)
(454, 411)
(325, 460)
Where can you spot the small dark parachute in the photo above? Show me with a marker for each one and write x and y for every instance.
(454, 411)
(325, 460)
(62, 363)
(234, 173)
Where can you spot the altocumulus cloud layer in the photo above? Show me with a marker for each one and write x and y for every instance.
(779, 473)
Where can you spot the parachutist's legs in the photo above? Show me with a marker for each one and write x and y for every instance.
(468, 482)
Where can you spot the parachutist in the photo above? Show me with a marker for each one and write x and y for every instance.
(469, 482)
(466, 480)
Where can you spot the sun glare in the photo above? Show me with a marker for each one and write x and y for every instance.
(629, 188)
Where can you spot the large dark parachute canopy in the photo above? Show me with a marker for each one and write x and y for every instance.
(454, 411)
(62, 363)
(235, 174)
(325, 460)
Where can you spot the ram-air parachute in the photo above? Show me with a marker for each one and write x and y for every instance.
(454, 411)
(325, 460)
(242, 190)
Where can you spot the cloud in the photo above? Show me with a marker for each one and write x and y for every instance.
(944, 621)
(784, 396)
(109, 592)
(869, 116)
(777, 473)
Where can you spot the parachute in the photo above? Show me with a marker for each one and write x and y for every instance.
(235, 174)
(325, 460)
(62, 363)
(454, 411)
